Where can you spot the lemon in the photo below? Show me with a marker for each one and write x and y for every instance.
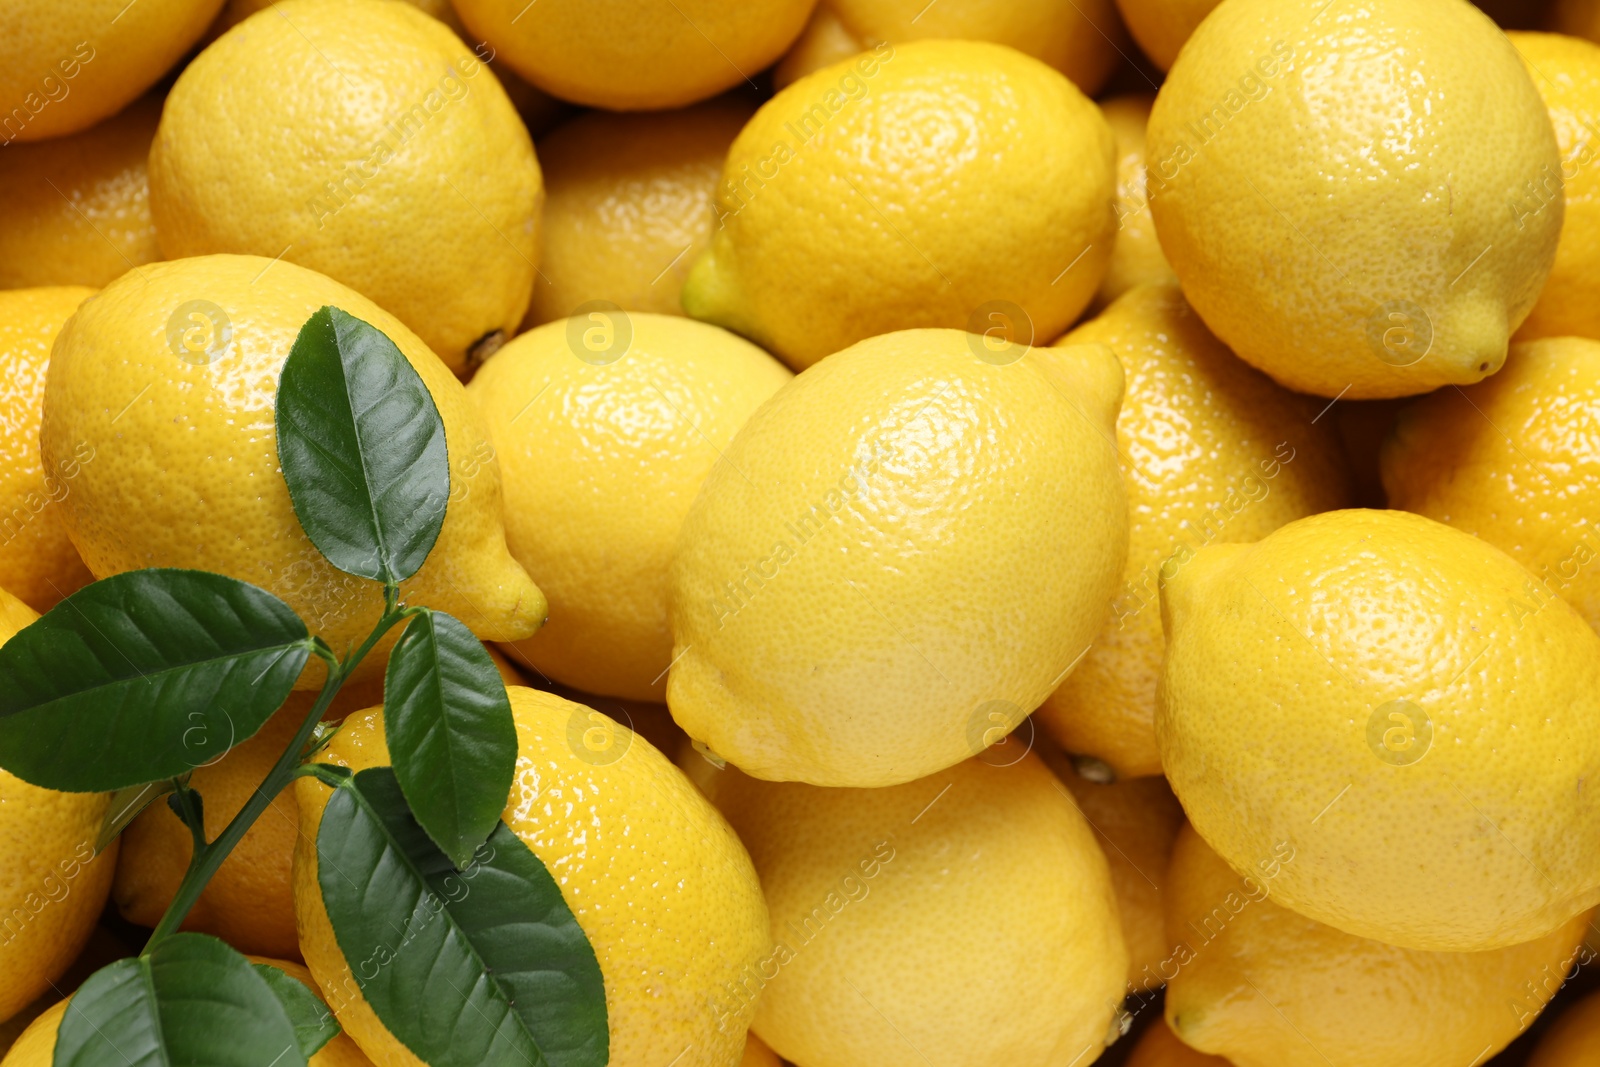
(361, 139)
(1574, 1040)
(1136, 257)
(1567, 73)
(1160, 1047)
(1135, 822)
(1161, 26)
(1212, 451)
(1350, 200)
(1266, 987)
(37, 561)
(967, 916)
(894, 562)
(630, 55)
(248, 901)
(170, 376)
(1077, 37)
(67, 64)
(757, 1054)
(52, 884)
(629, 206)
(1515, 460)
(659, 883)
(1371, 690)
(78, 207)
(938, 183)
(604, 426)
(36, 1046)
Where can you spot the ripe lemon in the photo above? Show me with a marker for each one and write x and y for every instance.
(630, 206)
(64, 66)
(1136, 257)
(1574, 1040)
(1212, 451)
(37, 561)
(659, 883)
(1566, 71)
(1343, 197)
(629, 55)
(757, 1054)
(604, 426)
(248, 902)
(983, 200)
(1161, 26)
(1515, 460)
(1077, 37)
(968, 916)
(170, 376)
(892, 565)
(52, 885)
(36, 1047)
(1160, 1047)
(1266, 987)
(1135, 822)
(78, 207)
(361, 139)
(1359, 675)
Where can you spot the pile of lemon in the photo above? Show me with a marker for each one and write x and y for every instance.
(1006, 525)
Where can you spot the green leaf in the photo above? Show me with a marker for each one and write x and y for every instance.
(313, 1022)
(448, 725)
(362, 448)
(193, 1000)
(126, 805)
(486, 966)
(142, 676)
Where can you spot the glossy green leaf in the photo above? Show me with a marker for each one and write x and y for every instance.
(448, 725)
(362, 448)
(142, 676)
(192, 1001)
(126, 805)
(313, 1021)
(483, 966)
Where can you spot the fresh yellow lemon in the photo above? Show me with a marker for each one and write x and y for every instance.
(1160, 1047)
(1080, 38)
(1212, 451)
(169, 375)
(1574, 1040)
(1515, 460)
(248, 901)
(36, 1047)
(78, 207)
(1370, 690)
(1136, 257)
(1135, 822)
(967, 916)
(630, 206)
(1566, 71)
(362, 139)
(659, 883)
(1351, 200)
(939, 183)
(1266, 987)
(629, 55)
(37, 561)
(604, 426)
(52, 884)
(900, 555)
(1161, 26)
(67, 64)
(757, 1054)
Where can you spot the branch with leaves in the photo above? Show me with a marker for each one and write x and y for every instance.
(131, 682)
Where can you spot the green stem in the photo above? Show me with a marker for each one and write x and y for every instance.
(191, 814)
(208, 857)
